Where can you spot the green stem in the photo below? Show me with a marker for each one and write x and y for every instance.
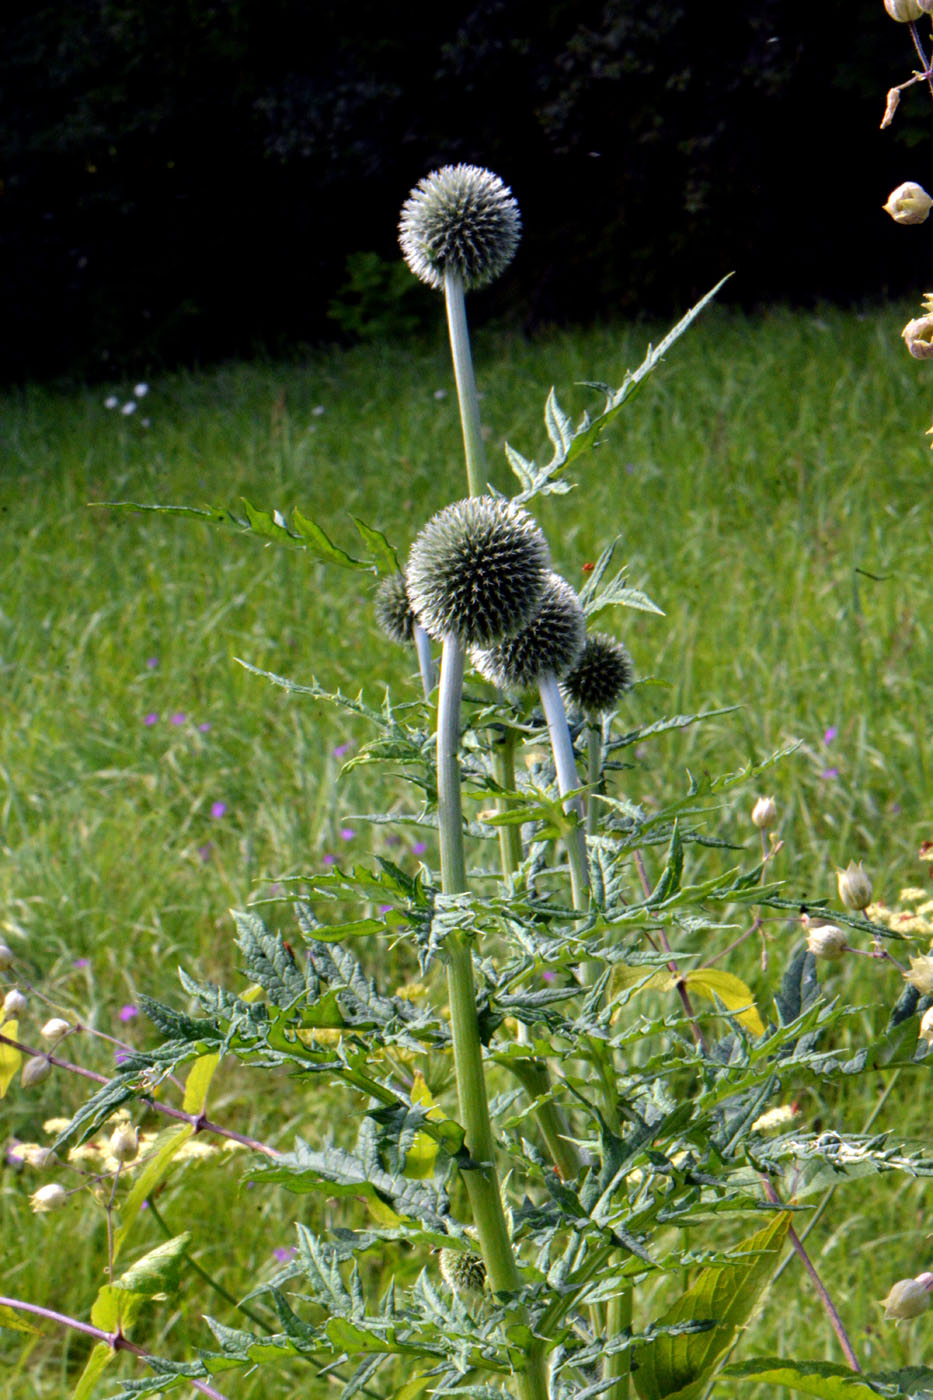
(466, 384)
(481, 1179)
(567, 781)
(618, 1365)
(425, 659)
(594, 754)
(510, 837)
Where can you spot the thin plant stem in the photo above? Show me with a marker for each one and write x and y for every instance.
(467, 396)
(618, 1366)
(482, 1180)
(673, 967)
(567, 781)
(115, 1340)
(425, 659)
(510, 836)
(594, 753)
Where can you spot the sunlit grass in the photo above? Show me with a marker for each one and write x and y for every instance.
(770, 490)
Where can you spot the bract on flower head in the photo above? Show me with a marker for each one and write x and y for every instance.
(462, 220)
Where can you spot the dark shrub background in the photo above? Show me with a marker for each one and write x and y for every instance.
(184, 180)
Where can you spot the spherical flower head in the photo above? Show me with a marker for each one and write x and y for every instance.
(908, 1298)
(855, 888)
(764, 813)
(393, 610)
(826, 941)
(51, 1197)
(603, 672)
(477, 571)
(909, 204)
(921, 975)
(464, 1273)
(462, 220)
(550, 644)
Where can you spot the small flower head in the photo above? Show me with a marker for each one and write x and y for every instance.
(551, 643)
(124, 1143)
(464, 1273)
(926, 1026)
(6, 957)
(764, 813)
(462, 220)
(855, 888)
(775, 1118)
(14, 1004)
(825, 941)
(54, 1030)
(917, 335)
(921, 975)
(904, 11)
(35, 1071)
(908, 1298)
(393, 610)
(51, 1197)
(603, 672)
(909, 204)
(477, 571)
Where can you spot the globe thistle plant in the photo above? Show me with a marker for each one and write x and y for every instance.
(602, 673)
(477, 571)
(459, 229)
(549, 644)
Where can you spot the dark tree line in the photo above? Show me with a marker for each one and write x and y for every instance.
(185, 179)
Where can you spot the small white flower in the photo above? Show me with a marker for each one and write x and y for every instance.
(141, 390)
(764, 813)
(440, 393)
(146, 422)
(111, 401)
(51, 1197)
(128, 408)
(317, 410)
(775, 1118)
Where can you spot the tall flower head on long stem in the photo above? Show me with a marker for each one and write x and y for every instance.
(462, 220)
(603, 671)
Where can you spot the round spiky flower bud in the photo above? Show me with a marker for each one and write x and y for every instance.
(603, 672)
(477, 571)
(550, 644)
(393, 610)
(460, 219)
(464, 1273)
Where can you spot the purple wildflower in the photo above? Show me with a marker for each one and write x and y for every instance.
(179, 717)
(81, 962)
(347, 833)
(329, 859)
(341, 749)
(120, 1056)
(203, 728)
(283, 1254)
(206, 851)
(152, 718)
(385, 908)
(420, 847)
(830, 734)
(218, 809)
(152, 663)
(547, 976)
(128, 1013)
(829, 773)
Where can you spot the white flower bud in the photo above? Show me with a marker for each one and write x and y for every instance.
(51, 1197)
(826, 941)
(909, 204)
(54, 1030)
(124, 1144)
(34, 1071)
(917, 335)
(6, 957)
(854, 886)
(14, 1004)
(38, 1157)
(926, 1026)
(921, 975)
(764, 813)
(904, 11)
(908, 1298)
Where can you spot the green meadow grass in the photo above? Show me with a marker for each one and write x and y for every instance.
(770, 488)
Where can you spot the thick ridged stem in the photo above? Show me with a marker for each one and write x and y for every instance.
(567, 781)
(425, 659)
(510, 836)
(466, 384)
(481, 1181)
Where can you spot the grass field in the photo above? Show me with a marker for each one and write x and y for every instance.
(770, 488)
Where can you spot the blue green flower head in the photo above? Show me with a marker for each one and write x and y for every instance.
(463, 220)
(550, 644)
(603, 672)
